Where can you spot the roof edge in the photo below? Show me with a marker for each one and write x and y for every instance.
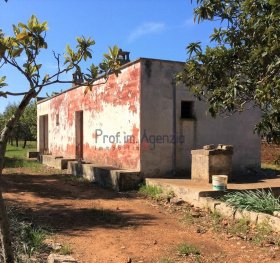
(102, 76)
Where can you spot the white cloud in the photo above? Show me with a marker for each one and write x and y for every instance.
(189, 22)
(145, 29)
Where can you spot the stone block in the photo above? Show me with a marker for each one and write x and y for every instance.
(225, 210)
(208, 161)
(119, 180)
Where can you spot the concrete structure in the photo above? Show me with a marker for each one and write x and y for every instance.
(210, 161)
(141, 121)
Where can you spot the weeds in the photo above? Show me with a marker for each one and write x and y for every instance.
(258, 201)
(154, 192)
(241, 226)
(216, 218)
(263, 232)
(65, 250)
(185, 249)
(27, 238)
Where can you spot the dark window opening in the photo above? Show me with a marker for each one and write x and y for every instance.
(187, 109)
(57, 119)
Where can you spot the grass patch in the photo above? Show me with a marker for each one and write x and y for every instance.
(28, 239)
(18, 152)
(185, 249)
(154, 192)
(263, 232)
(15, 157)
(18, 163)
(188, 218)
(241, 226)
(258, 201)
(65, 250)
(216, 218)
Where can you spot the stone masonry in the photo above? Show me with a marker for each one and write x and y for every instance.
(210, 161)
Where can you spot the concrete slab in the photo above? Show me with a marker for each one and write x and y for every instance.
(57, 162)
(190, 190)
(106, 176)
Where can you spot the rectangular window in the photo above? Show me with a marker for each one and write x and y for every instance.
(57, 119)
(187, 109)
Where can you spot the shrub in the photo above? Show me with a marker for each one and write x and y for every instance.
(258, 201)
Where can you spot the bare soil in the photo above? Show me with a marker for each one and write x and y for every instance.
(270, 153)
(103, 226)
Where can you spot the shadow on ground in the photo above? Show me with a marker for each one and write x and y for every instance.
(71, 220)
(44, 204)
(55, 186)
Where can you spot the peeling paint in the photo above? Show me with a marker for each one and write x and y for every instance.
(113, 107)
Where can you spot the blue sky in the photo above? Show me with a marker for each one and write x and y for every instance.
(147, 28)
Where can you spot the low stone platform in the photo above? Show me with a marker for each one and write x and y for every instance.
(57, 162)
(106, 176)
(190, 190)
(202, 195)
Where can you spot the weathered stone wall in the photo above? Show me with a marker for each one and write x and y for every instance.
(111, 112)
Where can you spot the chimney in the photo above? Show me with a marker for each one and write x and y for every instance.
(77, 78)
(123, 56)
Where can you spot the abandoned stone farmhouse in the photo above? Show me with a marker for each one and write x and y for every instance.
(141, 121)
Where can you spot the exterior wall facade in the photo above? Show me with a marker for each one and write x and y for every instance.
(133, 120)
(111, 116)
(158, 159)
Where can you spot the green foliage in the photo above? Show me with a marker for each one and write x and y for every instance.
(65, 250)
(15, 157)
(263, 232)
(27, 238)
(154, 192)
(29, 40)
(241, 70)
(258, 201)
(241, 226)
(26, 127)
(185, 249)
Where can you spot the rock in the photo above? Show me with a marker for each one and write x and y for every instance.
(129, 260)
(176, 201)
(209, 147)
(195, 214)
(276, 213)
(55, 258)
(56, 246)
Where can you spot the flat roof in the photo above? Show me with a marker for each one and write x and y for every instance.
(102, 76)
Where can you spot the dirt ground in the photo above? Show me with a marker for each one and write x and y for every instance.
(270, 153)
(103, 226)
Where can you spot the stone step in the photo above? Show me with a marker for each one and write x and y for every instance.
(57, 162)
(106, 176)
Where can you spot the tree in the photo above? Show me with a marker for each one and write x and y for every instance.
(29, 40)
(242, 70)
(26, 127)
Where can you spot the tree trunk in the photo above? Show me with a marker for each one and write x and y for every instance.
(7, 251)
(16, 141)
(24, 144)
